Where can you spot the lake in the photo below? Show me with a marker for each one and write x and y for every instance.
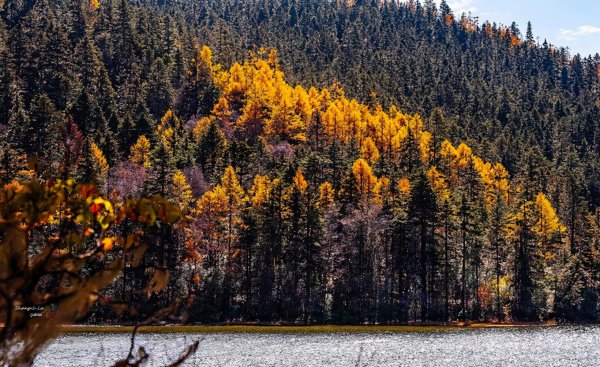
(536, 346)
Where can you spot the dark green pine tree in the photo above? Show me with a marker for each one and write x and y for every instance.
(423, 211)
(43, 116)
(127, 134)
(471, 215)
(160, 177)
(86, 171)
(179, 142)
(23, 133)
(12, 159)
(55, 66)
(526, 269)
(212, 154)
(94, 78)
(158, 89)
(123, 46)
(87, 113)
(529, 35)
(198, 94)
(5, 77)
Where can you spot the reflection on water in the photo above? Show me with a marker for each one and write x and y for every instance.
(552, 346)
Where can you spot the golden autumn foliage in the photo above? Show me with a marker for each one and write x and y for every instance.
(225, 198)
(369, 151)
(212, 204)
(260, 190)
(166, 129)
(439, 184)
(219, 208)
(515, 40)
(539, 217)
(548, 223)
(271, 109)
(206, 56)
(140, 152)
(95, 5)
(469, 24)
(268, 106)
(300, 182)
(382, 190)
(425, 145)
(181, 191)
(222, 111)
(326, 195)
(447, 151)
(100, 163)
(463, 157)
(494, 179)
(232, 188)
(404, 186)
(364, 177)
(201, 127)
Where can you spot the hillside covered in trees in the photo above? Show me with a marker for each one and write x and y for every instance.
(370, 161)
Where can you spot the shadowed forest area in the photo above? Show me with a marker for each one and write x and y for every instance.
(331, 162)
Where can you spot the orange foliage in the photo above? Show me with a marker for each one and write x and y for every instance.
(365, 179)
(326, 195)
(299, 181)
(404, 186)
(514, 40)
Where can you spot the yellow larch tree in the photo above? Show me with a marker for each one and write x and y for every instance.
(235, 196)
(326, 195)
(222, 111)
(464, 155)
(425, 146)
(94, 5)
(439, 184)
(166, 129)
(259, 192)
(404, 186)
(100, 163)
(494, 179)
(399, 137)
(300, 182)
(548, 225)
(501, 182)
(369, 151)
(201, 127)
(140, 152)
(381, 191)
(181, 191)
(448, 154)
(365, 179)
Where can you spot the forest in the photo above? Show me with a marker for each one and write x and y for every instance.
(341, 162)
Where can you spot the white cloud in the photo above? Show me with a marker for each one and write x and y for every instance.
(574, 34)
(462, 6)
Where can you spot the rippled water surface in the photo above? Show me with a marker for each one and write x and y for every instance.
(552, 346)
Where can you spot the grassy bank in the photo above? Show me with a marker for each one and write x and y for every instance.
(276, 329)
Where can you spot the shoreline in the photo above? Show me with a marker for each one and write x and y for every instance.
(291, 329)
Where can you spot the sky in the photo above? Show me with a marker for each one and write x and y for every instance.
(574, 24)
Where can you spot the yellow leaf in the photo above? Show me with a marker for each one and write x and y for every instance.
(107, 244)
(299, 181)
